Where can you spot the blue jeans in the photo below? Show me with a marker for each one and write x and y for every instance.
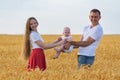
(86, 60)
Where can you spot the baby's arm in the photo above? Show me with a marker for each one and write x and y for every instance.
(58, 39)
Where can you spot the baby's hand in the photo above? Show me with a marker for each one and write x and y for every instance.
(59, 39)
(67, 45)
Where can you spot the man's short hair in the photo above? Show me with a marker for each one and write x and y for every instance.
(96, 10)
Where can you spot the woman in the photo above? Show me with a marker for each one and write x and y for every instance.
(33, 38)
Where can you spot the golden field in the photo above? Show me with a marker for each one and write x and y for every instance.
(105, 67)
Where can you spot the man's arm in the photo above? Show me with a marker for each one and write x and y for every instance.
(83, 43)
(80, 43)
(80, 40)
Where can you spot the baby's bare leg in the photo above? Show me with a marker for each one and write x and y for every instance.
(58, 48)
(58, 51)
(56, 55)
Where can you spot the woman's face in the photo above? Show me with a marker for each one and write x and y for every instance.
(33, 24)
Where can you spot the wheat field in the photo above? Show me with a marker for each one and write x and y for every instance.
(105, 67)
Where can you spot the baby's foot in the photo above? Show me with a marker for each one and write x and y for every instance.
(56, 56)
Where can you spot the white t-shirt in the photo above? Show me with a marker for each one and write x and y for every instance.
(95, 33)
(69, 38)
(35, 36)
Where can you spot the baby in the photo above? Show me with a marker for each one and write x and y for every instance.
(66, 36)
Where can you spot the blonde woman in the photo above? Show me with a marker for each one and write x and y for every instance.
(34, 46)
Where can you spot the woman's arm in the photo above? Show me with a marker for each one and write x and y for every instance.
(48, 46)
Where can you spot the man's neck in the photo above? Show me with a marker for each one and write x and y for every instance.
(93, 25)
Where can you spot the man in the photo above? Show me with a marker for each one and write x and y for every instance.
(89, 40)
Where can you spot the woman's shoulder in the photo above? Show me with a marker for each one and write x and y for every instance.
(33, 33)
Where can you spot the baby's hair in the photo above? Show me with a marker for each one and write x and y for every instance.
(66, 28)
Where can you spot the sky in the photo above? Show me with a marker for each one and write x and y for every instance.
(54, 15)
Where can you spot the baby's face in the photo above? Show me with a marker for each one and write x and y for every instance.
(66, 32)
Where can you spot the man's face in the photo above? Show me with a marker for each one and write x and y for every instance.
(94, 18)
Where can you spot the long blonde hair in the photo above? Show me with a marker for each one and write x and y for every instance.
(27, 48)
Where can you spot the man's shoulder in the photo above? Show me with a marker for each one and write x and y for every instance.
(99, 27)
(86, 27)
